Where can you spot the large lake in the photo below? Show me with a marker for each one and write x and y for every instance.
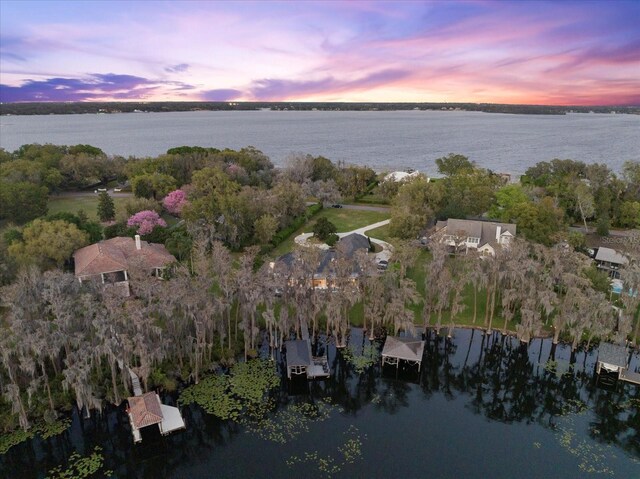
(482, 407)
(383, 140)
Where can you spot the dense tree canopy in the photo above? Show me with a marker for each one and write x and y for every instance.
(48, 244)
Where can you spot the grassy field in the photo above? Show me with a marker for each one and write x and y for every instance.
(74, 204)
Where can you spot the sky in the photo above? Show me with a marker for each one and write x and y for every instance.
(558, 53)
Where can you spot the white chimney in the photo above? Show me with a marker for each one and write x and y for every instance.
(498, 231)
(138, 244)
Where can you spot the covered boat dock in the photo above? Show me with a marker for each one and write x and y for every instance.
(300, 361)
(614, 358)
(398, 349)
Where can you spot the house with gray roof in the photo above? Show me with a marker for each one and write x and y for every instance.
(347, 248)
(610, 261)
(300, 361)
(482, 236)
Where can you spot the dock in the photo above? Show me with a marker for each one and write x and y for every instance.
(398, 349)
(300, 361)
(614, 359)
(629, 376)
(146, 409)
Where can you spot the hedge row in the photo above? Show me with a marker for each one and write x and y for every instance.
(283, 234)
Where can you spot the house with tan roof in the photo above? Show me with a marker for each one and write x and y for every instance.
(109, 260)
(482, 236)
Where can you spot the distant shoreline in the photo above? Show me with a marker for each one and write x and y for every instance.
(47, 108)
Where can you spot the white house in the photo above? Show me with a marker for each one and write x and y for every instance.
(401, 175)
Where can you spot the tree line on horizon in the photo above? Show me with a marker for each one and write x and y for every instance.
(70, 108)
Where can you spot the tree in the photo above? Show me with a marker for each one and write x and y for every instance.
(146, 221)
(631, 175)
(92, 228)
(414, 207)
(48, 243)
(507, 200)
(584, 203)
(323, 228)
(540, 221)
(468, 192)
(152, 185)
(175, 201)
(453, 164)
(264, 228)
(132, 205)
(630, 214)
(22, 201)
(106, 207)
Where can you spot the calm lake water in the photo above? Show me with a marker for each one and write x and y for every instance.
(482, 407)
(383, 140)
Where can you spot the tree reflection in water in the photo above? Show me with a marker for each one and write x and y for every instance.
(495, 376)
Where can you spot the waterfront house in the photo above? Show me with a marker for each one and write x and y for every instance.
(109, 261)
(324, 275)
(481, 236)
(610, 261)
(401, 175)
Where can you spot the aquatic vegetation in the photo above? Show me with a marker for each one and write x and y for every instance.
(79, 467)
(43, 429)
(361, 362)
(242, 391)
(7, 441)
(347, 453)
(594, 458)
(573, 406)
(50, 429)
(289, 423)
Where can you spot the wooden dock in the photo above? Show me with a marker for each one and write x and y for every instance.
(629, 376)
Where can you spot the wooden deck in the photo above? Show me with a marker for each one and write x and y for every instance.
(320, 368)
(630, 376)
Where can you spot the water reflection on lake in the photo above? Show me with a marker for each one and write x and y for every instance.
(482, 406)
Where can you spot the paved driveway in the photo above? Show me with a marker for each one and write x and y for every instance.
(387, 249)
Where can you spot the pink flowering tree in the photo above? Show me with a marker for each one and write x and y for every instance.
(175, 201)
(145, 221)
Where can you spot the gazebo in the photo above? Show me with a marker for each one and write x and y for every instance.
(406, 349)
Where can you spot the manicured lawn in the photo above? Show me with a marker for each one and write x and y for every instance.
(74, 204)
(381, 233)
(346, 219)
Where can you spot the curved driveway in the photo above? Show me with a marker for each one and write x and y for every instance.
(385, 254)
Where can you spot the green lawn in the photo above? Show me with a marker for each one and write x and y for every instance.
(345, 220)
(74, 204)
(381, 233)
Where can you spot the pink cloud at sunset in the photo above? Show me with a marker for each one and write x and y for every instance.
(571, 53)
